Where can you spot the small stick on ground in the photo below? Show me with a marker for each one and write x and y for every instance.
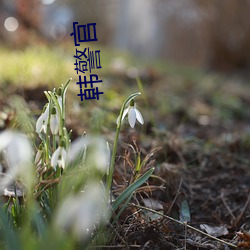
(173, 202)
(239, 217)
(227, 207)
(184, 224)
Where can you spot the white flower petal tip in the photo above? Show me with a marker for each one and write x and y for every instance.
(139, 116)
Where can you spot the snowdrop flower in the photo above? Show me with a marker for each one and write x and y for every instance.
(54, 121)
(133, 114)
(59, 157)
(17, 152)
(98, 152)
(79, 214)
(42, 122)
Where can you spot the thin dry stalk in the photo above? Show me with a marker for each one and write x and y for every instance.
(184, 224)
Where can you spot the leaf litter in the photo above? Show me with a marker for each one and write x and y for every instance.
(201, 178)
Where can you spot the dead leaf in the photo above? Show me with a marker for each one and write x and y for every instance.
(183, 208)
(215, 231)
(245, 236)
(155, 205)
(152, 204)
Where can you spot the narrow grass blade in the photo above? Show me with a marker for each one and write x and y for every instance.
(128, 191)
(9, 234)
(122, 209)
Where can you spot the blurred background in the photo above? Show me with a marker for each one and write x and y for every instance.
(192, 59)
(211, 34)
(192, 56)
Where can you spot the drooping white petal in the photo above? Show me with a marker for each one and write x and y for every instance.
(123, 115)
(101, 154)
(55, 156)
(98, 152)
(39, 123)
(63, 159)
(64, 154)
(77, 148)
(5, 139)
(61, 163)
(132, 117)
(54, 124)
(139, 116)
(133, 114)
(44, 127)
(46, 112)
(125, 112)
(19, 151)
(18, 156)
(59, 157)
(79, 214)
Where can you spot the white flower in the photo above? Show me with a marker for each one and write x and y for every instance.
(17, 152)
(42, 122)
(54, 121)
(59, 157)
(79, 214)
(133, 114)
(98, 152)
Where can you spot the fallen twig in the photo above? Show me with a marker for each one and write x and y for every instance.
(184, 224)
(239, 217)
(226, 205)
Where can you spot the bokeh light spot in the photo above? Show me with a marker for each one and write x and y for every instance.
(47, 2)
(11, 24)
(58, 31)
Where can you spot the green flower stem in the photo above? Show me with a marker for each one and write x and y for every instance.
(112, 163)
(66, 136)
(59, 110)
(65, 87)
(47, 138)
(54, 142)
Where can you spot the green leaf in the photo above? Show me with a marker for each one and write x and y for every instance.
(138, 163)
(129, 190)
(39, 222)
(185, 212)
(122, 209)
(65, 87)
(10, 236)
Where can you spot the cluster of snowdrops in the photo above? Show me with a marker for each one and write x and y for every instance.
(66, 186)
